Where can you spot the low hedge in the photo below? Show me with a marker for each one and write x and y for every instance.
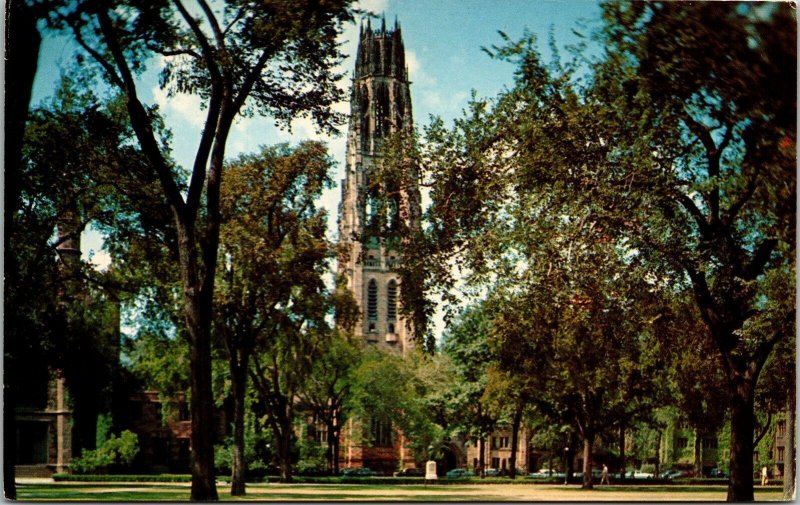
(401, 480)
(164, 477)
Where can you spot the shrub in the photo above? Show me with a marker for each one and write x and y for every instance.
(114, 452)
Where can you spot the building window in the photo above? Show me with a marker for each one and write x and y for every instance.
(682, 443)
(494, 442)
(781, 428)
(710, 443)
(755, 455)
(779, 453)
(391, 300)
(381, 433)
(183, 411)
(503, 442)
(495, 462)
(372, 301)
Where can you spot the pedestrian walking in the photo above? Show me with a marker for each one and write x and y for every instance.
(764, 477)
(604, 478)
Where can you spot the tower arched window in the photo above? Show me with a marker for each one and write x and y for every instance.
(391, 300)
(372, 300)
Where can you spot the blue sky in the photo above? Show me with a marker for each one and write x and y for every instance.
(443, 40)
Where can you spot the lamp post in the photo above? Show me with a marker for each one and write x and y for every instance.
(566, 462)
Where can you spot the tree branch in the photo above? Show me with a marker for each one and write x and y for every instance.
(760, 258)
(212, 20)
(178, 52)
(139, 119)
(212, 117)
(763, 430)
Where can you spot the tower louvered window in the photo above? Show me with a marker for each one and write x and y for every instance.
(372, 300)
(391, 300)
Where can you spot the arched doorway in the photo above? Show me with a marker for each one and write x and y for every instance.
(449, 456)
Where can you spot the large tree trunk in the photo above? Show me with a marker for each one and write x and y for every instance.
(512, 463)
(622, 450)
(333, 439)
(197, 310)
(482, 456)
(698, 454)
(789, 459)
(571, 446)
(588, 441)
(22, 58)
(239, 383)
(284, 449)
(740, 486)
(658, 455)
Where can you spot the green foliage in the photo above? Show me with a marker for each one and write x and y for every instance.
(103, 429)
(386, 388)
(115, 452)
(312, 458)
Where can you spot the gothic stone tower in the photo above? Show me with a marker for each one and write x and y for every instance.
(380, 105)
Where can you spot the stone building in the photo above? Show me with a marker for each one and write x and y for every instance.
(380, 105)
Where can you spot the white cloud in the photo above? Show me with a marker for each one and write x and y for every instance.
(453, 102)
(184, 106)
(416, 73)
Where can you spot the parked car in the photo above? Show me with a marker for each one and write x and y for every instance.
(544, 473)
(457, 473)
(672, 474)
(410, 472)
(491, 472)
(359, 472)
(717, 473)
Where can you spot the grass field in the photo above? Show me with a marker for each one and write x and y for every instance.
(44, 491)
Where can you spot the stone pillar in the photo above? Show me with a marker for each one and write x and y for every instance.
(63, 427)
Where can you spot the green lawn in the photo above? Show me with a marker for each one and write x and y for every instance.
(152, 492)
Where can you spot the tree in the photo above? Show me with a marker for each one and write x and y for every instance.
(466, 343)
(388, 393)
(678, 143)
(63, 315)
(696, 387)
(272, 57)
(714, 140)
(328, 387)
(508, 394)
(272, 245)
